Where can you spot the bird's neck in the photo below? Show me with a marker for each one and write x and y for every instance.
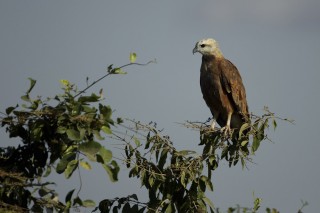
(211, 58)
(216, 54)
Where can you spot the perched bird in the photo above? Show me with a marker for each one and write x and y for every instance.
(222, 87)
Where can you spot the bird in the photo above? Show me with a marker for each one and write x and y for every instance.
(222, 87)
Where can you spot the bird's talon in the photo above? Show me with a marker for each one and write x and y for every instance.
(226, 131)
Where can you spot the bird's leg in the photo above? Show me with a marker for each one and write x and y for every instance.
(214, 120)
(213, 124)
(227, 129)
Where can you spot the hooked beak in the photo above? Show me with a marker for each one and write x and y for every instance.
(195, 50)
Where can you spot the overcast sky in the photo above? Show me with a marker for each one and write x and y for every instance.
(275, 45)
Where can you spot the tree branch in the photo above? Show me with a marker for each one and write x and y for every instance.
(112, 71)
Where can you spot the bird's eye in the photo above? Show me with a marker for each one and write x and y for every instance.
(202, 45)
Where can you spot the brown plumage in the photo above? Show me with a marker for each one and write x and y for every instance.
(221, 86)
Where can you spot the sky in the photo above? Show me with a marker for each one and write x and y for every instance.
(275, 45)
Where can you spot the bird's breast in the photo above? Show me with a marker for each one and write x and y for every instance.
(210, 87)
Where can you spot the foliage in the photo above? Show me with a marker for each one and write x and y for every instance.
(177, 180)
(64, 134)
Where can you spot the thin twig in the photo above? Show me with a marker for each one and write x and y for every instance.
(109, 73)
(80, 179)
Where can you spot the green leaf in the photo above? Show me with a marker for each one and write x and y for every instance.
(182, 179)
(36, 131)
(133, 57)
(64, 82)
(32, 83)
(99, 159)
(202, 183)
(105, 154)
(208, 201)
(73, 135)
(76, 109)
(24, 106)
(26, 98)
(110, 68)
(134, 196)
(88, 109)
(213, 164)
(148, 141)
(210, 185)
(72, 165)
(126, 208)
(126, 151)
(106, 130)
(255, 144)
(118, 71)
(274, 124)
(62, 165)
(43, 191)
(69, 196)
(119, 120)
(104, 205)
(92, 98)
(134, 208)
(258, 135)
(212, 210)
(242, 128)
(243, 143)
(224, 152)
(82, 132)
(85, 165)
(136, 141)
(77, 200)
(90, 149)
(88, 203)
(151, 181)
(48, 171)
(98, 135)
(106, 111)
(35, 104)
(112, 170)
(61, 130)
(257, 203)
(10, 109)
(186, 152)
(169, 208)
(163, 158)
(135, 171)
(212, 160)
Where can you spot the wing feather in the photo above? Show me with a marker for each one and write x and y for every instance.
(231, 82)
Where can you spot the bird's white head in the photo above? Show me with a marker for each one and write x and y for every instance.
(207, 47)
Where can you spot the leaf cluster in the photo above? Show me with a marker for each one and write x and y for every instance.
(176, 179)
(173, 178)
(124, 204)
(63, 133)
(240, 145)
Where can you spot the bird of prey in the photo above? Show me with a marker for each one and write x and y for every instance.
(222, 87)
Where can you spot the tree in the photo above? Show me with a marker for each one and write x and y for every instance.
(63, 133)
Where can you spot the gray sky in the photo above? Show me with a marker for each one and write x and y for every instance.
(275, 45)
